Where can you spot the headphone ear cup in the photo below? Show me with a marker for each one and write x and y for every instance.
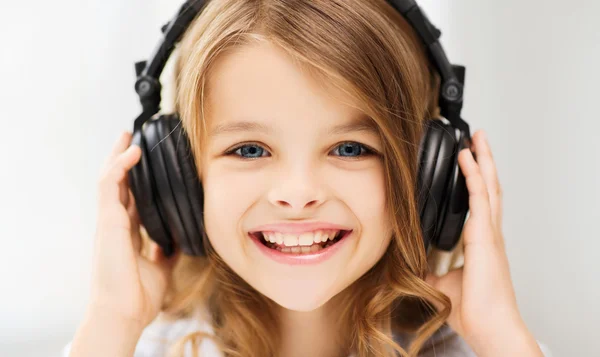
(193, 187)
(437, 162)
(184, 227)
(143, 188)
(154, 134)
(457, 204)
(428, 151)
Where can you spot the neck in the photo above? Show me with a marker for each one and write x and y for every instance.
(308, 333)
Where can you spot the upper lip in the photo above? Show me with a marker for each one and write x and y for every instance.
(300, 227)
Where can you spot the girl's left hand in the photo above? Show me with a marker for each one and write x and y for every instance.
(484, 307)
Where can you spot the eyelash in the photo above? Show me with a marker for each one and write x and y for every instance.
(366, 151)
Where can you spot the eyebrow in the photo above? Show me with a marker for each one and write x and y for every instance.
(359, 124)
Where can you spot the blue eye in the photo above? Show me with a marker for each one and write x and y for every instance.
(248, 149)
(350, 148)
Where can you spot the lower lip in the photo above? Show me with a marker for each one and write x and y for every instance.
(301, 259)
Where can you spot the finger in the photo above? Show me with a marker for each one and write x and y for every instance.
(432, 280)
(118, 147)
(112, 213)
(449, 284)
(479, 204)
(489, 172)
(134, 218)
(110, 183)
(124, 190)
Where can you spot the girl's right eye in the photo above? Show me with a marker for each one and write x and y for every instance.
(253, 150)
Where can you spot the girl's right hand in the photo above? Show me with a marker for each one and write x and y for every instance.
(125, 284)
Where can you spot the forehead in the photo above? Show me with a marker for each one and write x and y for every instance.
(256, 86)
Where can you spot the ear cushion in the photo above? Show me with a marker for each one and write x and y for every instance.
(428, 150)
(438, 148)
(180, 195)
(166, 199)
(191, 181)
(441, 177)
(457, 204)
(143, 189)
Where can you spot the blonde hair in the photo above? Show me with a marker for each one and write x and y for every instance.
(369, 51)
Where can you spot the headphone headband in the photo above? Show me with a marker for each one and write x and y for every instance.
(148, 86)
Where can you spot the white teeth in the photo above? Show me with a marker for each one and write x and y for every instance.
(305, 239)
(318, 235)
(290, 240)
(297, 249)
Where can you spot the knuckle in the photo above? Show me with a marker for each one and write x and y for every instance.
(481, 186)
(102, 189)
(103, 180)
(113, 174)
(106, 180)
(498, 191)
(120, 173)
(480, 192)
(107, 172)
(492, 188)
(483, 193)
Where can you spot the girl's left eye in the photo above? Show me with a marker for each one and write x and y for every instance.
(255, 151)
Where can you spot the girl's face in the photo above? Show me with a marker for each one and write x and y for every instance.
(289, 166)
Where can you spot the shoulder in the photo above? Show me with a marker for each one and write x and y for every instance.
(157, 338)
(161, 333)
(445, 342)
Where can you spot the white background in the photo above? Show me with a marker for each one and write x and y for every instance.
(66, 91)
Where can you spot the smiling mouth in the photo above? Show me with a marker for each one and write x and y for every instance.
(300, 249)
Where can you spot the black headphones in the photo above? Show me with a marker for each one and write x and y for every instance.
(167, 189)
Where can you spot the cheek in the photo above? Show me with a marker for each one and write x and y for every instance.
(364, 193)
(227, 197)
(369, 205)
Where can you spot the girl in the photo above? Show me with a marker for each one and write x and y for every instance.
(304, 119)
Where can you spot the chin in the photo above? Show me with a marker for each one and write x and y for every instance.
(296, 304)
(299, 297)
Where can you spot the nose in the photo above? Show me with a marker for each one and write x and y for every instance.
(297, 188)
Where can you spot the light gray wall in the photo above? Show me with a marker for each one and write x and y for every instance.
(67, 91)
(531, 83)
